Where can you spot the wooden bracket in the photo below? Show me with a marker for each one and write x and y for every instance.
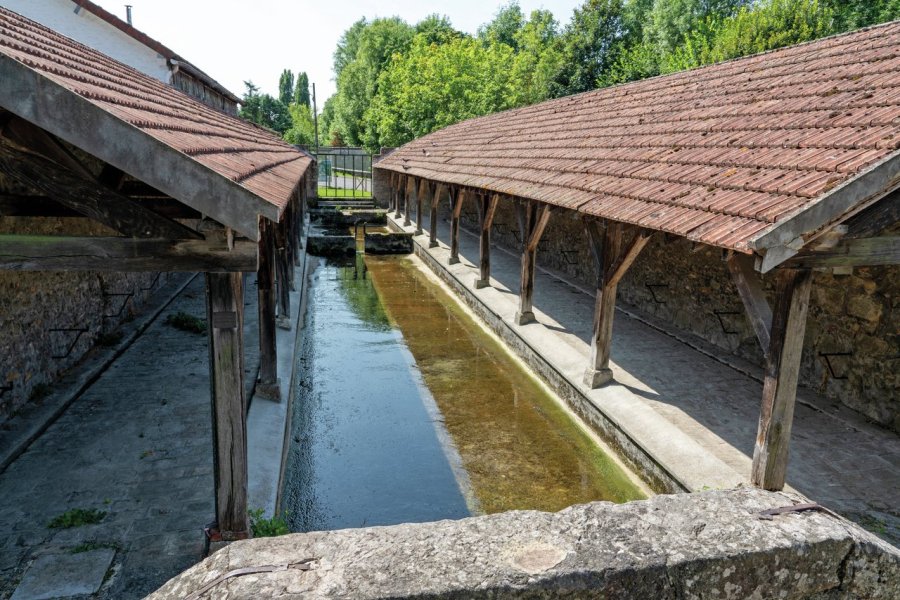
(749, 287)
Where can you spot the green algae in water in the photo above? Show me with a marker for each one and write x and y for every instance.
(520, 448)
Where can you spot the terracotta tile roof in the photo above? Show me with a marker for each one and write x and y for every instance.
(719, 154)
(233, 148)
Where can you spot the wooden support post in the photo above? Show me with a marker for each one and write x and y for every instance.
(420, 197)
(456, 202)
(433, 217)
(225, 313)
(534, 222)
(611, 263)
(282, 267)
(776, 416)
(409, 192)
(750, 290)
(401, 185)
(488, 210)
(268, 385)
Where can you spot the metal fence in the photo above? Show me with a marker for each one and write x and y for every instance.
(344, 173)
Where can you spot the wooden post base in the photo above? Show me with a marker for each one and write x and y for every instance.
(433, 244)
(594, 378)
(524, 318)
(283, 322)
(452, 260)
(269, 391)
(482, 283)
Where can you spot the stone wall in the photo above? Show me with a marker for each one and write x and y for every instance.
(853, 331)
(33, 305)
(708, 545)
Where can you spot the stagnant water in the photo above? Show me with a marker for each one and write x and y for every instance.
(409, 411)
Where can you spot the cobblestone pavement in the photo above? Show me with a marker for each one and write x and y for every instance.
(837, 457)
(136, 445)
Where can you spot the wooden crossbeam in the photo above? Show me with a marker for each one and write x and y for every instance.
(20, 205)
(64, 253)
(749, 287)
(770, 454)
(33, 137)
(875, 219)
(862, 252)
(618, 269)
(534, 237)
(88, 197)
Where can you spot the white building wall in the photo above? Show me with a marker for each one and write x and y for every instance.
(92, 31)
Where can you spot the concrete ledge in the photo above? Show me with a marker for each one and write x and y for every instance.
(710, 545)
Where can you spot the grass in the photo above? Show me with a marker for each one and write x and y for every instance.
(266, 527)
(186, 322)
(329, 192)
(77, 517)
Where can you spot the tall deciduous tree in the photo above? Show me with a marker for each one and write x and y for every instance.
(301, 91)
(286, 87)
(591, 44)
(505, 27)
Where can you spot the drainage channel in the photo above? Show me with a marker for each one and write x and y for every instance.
(408, 411)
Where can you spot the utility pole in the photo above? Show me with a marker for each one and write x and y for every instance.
(315, 118)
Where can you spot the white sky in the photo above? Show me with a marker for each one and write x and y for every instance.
(235, 40)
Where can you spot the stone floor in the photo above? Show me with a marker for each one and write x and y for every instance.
(137, 446)
(837, 457)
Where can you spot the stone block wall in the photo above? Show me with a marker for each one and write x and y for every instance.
(34, 304)
(852, 346)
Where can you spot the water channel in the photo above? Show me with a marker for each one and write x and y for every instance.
(408, 411)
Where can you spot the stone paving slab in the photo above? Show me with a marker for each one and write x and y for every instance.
(63, 575)
(136, 445)
(837, 456)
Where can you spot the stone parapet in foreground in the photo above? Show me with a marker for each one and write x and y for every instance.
(709, 545)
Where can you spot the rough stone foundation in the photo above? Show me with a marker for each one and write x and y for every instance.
(710, 545)
(853, 331)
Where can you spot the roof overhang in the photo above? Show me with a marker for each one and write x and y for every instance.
(67, 115)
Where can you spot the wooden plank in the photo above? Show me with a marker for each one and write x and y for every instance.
(598, 371)
(875, 219)
(770, 454)
(40, 142)
(432, 223)
(283, 278)
(862, 252)
(224, 294)
(88, 197)
(19, 205)
(265, 283)
(63, 253)
(754, 299)
(456, 201)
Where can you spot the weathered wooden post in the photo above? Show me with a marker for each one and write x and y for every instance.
(488, 210)
(409, 192)
(268, 385)
(420, 197)
(770, 454)
(284, 280)
(433, 216)
(611, 262)
(534, 221)
(401, 187)
(456, 201)
(225, 314)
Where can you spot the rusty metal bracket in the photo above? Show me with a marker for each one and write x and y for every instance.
(827, 356)
(79, 331)
(720, 313)
(652, 287)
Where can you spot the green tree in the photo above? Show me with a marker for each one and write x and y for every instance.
(286, 87)
(671, 21)
(435, 85)
(301, 91)
(437, 29)
(591, 44)
(302, 130)
(264, 110)
(853, 14)
(505, 26)
(347, 46)
(538, 60)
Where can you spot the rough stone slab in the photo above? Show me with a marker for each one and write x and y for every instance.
(709, 545)
(63, 575)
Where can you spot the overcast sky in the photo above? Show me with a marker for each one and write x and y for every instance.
(235, 40)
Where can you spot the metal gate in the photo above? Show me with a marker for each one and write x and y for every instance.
(344, 173)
